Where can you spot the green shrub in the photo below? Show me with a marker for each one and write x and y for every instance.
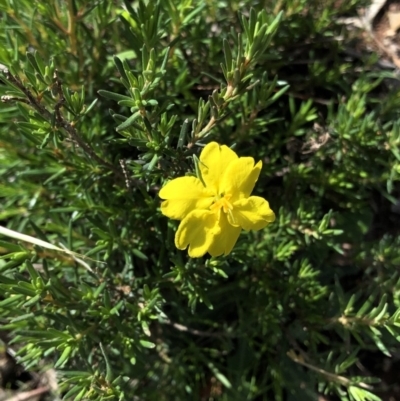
(104, 102)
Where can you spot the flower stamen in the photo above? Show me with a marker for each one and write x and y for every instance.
(222, 202)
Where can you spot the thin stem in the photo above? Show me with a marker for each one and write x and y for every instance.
(31, 38)
(72, 26)
(60, 121)
(330, 376)
(207, 128)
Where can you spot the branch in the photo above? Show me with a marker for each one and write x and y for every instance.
(60, 121)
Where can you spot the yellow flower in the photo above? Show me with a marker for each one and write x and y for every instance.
(215, 208)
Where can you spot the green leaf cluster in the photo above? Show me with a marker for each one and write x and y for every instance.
(102, 103)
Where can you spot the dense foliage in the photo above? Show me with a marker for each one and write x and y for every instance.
(102, 103)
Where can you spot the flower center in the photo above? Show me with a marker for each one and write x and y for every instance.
(222, 201)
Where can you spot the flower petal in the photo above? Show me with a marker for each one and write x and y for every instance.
(197, 230)
(240, 177)
(214, 159)
(183, 195)
(224, 242)
(252, 213)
